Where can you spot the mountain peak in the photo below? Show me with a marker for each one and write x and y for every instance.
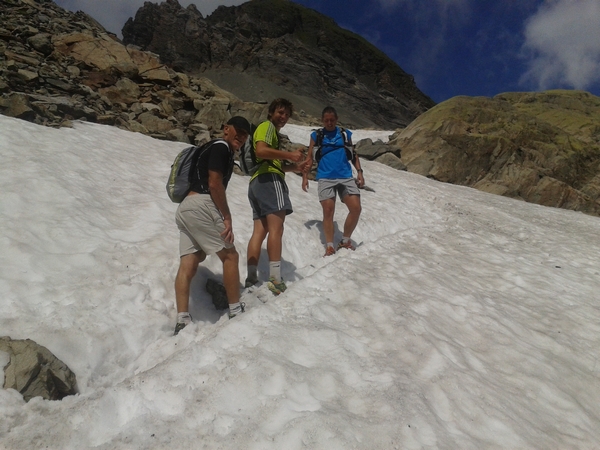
(266, 48)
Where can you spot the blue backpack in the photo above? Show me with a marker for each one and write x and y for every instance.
(348, 146)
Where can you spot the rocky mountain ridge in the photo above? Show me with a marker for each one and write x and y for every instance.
(263, 44)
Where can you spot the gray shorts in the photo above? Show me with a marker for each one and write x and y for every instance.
(328, 188)
(268, 194)
(200, 226)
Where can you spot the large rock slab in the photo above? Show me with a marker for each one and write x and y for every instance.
(539, 147)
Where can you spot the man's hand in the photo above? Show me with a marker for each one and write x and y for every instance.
(306, 166)
(360, 180)
(295, 156)
(305, 183)
(227, 234)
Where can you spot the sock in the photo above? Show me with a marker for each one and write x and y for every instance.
(275, 270)
(330, 244)
(235, 308)
(184, 317)
(253, 272)
(345, 240)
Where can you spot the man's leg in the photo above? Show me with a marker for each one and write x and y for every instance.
(275, 230)
(231, 273)
(188, 266)
(274, 247)
(231, 280)
(254, 246)
(328, 212)
(354, 210)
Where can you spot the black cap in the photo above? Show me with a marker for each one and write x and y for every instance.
(239, 123)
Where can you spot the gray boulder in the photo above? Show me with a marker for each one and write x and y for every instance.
(389, 159)
(35, 372)
(371, 151)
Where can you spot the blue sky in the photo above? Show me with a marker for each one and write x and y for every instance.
(452, 47)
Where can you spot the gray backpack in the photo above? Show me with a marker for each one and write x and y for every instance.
(180, 178)
(248, 163)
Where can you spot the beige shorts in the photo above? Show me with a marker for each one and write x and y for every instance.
(200, 226)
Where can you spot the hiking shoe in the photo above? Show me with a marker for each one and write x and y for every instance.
(179, 327)
(347, 245)
(250, 281)
(242, 309)
(276, 287)
(183, 319)
(330, 251)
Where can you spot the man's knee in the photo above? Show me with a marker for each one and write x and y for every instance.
(229, 254)
(328, 206)
(187, 270)
(188, 264)
(353, 203)
(355, 209)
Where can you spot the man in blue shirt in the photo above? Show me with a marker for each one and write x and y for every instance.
(334, 175)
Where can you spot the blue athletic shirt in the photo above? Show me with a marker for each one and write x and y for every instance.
(333, 163)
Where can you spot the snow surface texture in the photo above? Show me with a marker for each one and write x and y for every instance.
(462, 320)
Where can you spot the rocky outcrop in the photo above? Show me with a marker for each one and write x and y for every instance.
(56, 66)
(539, 147)
(35, 372)
(268, 48)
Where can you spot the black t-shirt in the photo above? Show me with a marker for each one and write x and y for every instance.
(217, 157)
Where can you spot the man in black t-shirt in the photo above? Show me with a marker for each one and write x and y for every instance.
(204, 221)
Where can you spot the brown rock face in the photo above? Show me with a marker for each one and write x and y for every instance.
(56, 66)
(539, 147)
(268, 48)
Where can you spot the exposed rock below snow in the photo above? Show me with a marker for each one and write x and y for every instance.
(35, 372)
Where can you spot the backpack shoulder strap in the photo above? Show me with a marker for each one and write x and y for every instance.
(203, 148)
(344, 133)
(320, 133)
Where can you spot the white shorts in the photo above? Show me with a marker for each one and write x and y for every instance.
(200, 226)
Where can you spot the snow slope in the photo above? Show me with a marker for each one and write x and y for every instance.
(463, 320)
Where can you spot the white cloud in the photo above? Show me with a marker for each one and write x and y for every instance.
(562, 41)
(113, 14)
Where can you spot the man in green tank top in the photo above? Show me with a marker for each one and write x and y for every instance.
(269, 195)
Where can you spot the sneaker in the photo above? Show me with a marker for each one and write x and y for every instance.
(250, 281)
(178, 328)
(242, 309)
(330, 251)
(183, 319)
(347, 245)
(275, 287)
